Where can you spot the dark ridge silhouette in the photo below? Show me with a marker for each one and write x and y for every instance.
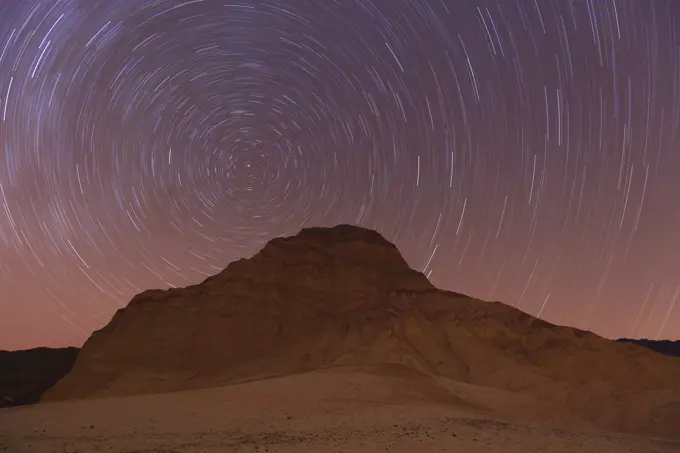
(344, 296)
(665, 347)
(26, 375)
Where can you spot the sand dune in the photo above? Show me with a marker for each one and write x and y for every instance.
(345, 409)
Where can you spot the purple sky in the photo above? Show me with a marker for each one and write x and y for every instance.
(516, 150)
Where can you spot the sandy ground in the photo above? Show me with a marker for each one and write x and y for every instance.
(341, 410)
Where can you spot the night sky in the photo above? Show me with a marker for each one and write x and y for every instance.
(516, 150)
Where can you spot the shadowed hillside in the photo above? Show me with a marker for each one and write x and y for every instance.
(25, 375)
(666, 347)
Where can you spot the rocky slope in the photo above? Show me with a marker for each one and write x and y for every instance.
(345, 296)
(25, 375)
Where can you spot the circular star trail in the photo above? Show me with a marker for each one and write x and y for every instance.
(521, 150)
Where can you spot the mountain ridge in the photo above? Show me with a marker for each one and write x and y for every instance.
(665, 347)
(27, 374)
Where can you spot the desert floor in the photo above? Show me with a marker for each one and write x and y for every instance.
(338, 410)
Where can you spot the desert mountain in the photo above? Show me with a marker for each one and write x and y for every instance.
(25, 375)
(344, 296)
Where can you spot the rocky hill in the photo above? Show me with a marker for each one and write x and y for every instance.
(25, 375)
(345, 296)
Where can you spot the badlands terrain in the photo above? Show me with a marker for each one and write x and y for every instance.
(328, 341)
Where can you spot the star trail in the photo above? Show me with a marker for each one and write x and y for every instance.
(515, 150)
